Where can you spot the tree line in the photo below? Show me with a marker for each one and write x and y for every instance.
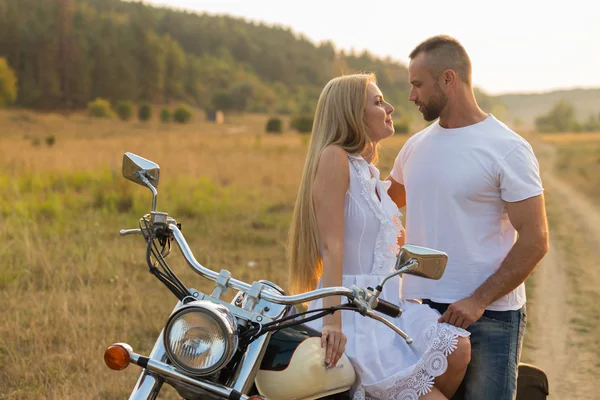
(66, 53)
(561, 118)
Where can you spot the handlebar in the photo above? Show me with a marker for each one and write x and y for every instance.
(239, 285)
(126, 232)
(137, 231)
(387, 308)
(355, 295)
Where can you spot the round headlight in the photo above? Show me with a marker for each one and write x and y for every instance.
(201, 337)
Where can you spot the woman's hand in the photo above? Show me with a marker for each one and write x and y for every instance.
(335, 340)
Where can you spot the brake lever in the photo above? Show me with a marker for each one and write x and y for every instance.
(399, 331)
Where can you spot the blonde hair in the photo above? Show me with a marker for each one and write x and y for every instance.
(339, 120)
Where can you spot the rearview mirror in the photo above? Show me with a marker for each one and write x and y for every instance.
(421, 261)
(136, 168)
(143, 172)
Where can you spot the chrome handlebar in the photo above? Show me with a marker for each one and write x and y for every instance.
(244, 287)
(364, 300)
(126, 232)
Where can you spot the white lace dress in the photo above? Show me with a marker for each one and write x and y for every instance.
(387, 367)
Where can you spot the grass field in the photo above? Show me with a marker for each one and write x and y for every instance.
(69, 285)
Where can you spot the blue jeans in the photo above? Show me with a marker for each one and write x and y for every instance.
(496, 342)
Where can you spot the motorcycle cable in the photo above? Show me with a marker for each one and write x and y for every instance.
(165, 241)
(167, 277)
(253, 333)
(160, 257)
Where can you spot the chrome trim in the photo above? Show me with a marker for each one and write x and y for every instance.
(249, 365)
(148, 384)
(166, 370)
(221, 284)
(409, 264)
(143, 178)
(238, 312)
(147, 387)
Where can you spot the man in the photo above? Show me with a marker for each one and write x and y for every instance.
(472, 188)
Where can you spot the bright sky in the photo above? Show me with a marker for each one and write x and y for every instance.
(515, 45)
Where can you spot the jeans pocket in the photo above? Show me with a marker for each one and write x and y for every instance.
(505, 318)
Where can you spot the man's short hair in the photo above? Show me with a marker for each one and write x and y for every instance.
(443, 52)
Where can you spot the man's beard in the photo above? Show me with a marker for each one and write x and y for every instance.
(436, 105)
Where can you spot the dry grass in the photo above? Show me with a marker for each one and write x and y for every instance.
(578, 162)
(70, 285)
(570, 138)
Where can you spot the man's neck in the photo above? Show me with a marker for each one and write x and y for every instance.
(462, 111)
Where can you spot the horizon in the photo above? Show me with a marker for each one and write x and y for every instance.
(552, 38)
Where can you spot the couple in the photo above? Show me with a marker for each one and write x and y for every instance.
(472, 189)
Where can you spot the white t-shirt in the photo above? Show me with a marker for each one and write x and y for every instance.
(457, 182)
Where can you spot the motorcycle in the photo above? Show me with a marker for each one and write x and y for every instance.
(256, 346)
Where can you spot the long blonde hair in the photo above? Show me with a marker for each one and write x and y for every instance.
(339, 120)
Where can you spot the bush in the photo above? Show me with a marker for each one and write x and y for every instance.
(402, 126)
(144, 112)
(50, 140)
(561, 118)
(124, 110)
(302, 123)
(100, 108)
(165, 115)
(274, 125)
(182, 114)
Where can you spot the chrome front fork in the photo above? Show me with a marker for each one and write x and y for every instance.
(149, 384)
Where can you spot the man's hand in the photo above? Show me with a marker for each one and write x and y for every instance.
(335, 340)
(463, 312)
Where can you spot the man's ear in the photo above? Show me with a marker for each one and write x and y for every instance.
(448, 78)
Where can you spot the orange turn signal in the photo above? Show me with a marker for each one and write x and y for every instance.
(117, 357)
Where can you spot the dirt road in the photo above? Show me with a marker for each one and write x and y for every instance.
(553, 338)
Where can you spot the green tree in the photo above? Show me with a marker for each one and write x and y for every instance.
(175, 69)
(151, 74)
(193, 87)
(402, 125)
(240, 95)
(592, 124)
(302, 123)
(221, 100)
(8, 84)
(561, 118)
(68, 52)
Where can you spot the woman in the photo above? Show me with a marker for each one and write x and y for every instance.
(346, 231)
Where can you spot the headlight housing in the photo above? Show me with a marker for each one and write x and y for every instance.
(201, 337)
